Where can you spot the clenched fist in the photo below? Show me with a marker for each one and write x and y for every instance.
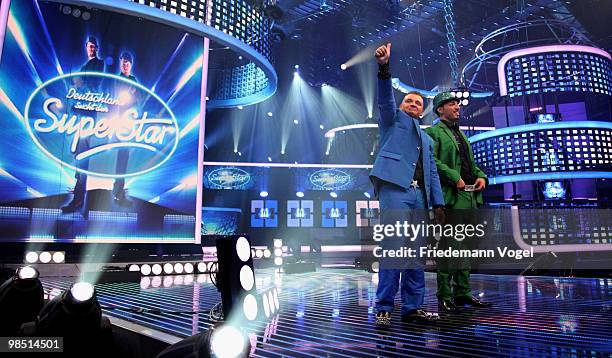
(383, 53)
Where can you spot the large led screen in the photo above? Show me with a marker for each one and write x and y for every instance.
(100, 127)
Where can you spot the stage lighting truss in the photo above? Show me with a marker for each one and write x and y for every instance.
(260, 252)
(45, 257)
(174, 268)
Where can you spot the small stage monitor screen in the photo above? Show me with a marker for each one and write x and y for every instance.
(100, 125)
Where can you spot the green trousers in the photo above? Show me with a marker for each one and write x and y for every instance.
(453, 274)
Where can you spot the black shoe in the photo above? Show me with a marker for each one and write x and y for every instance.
(383, 318)
(421, 316)
(447, 306)
(73, 206)
(472, 301)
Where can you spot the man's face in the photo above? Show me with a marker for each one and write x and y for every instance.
(449, 111)
(412, 105)
(126, 67)
(92, 50)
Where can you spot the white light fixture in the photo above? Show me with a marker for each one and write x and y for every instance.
(247, 279)
(202, 267)
(145, 270)
(188, 267)
(59, 257)
(278, 261)
(134, 268)
(27, 273)
(267, 253)
(168, 268)
(178, 268)
(227, 342)
(82, 291)
(333, 194)
(156, 269)
(45, 257)
(278, 243)
(299, 194)
(249, 307)
(243, 249)
(263, 194)
(31, 257)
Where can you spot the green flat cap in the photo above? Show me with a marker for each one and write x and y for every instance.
(442, 98)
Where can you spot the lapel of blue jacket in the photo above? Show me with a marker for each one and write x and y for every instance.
(417, 128)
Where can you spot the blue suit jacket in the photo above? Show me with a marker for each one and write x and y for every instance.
(401, 139)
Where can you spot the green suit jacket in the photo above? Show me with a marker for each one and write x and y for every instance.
(448, 161)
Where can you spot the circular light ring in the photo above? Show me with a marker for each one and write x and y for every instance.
(212, 267)
(59, 257)
(278, 243)
(145, 269)
(464, 102)
(227, 341)
(45, 257)
(259, 253)
(243, 249)
(466, 94)
(247, 278)
(249, 307)
(267, 253)
(168, 268)
(134, 268)
(457, 94)
(178, 268)
(156, 269)
(202, 268)
(27, 273)
(278, 261)
(31, 257)
(266, 305)
(188, 267)
(278, 252)
(82, 291)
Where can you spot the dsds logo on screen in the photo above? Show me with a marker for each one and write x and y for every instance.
(88, 120)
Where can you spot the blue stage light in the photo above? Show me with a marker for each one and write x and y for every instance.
(296, 66)
(333, 194)
(366, 194)
(263, 194)
(299, 194)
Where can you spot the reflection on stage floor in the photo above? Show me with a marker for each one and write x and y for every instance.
(331, 313)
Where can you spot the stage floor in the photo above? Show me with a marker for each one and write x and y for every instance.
(330, 313)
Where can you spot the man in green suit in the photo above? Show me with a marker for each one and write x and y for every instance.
(462, 184)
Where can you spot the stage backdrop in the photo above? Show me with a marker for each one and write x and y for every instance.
(99, 125)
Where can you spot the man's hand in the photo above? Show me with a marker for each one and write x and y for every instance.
(460, 184)
(439, 215)
(383, 53)
(480, 184)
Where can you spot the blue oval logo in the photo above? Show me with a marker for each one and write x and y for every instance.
(330, 179)
(229, 178)
(101, 124)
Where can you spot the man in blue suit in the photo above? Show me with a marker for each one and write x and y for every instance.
(406, 181)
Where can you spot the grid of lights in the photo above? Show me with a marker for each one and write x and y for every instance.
(555, 69)
(565, 227)
(191, 9)
(173, 268)
(45, 257)
(545, 148)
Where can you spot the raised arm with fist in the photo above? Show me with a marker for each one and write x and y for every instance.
(383, 53)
